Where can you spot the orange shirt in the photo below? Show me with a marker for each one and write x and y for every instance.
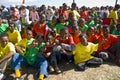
(40, 29)
(110, 40)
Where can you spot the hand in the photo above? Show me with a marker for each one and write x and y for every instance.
(0, 61)
(63, 51)
(102, 42)
(48, 54)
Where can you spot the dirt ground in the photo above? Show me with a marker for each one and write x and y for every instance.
(103, 72)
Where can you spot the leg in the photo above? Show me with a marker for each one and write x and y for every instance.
(3, 66)
(16, 64)
(94, 62)
(104, 56)
(81, 66)
(42, 65)
(115, 50)
(53, 62)
(58, 56)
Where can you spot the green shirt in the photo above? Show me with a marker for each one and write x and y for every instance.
(31, 53)
(59, 26)
(3, 28)
(115, 32)
(50, 24)
(91, 23)
(84, 28)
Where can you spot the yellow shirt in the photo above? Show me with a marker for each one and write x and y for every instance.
(14, 37)
(24, 42)
(83, 53)
(113, 14)
(5, 50)
(77, 15)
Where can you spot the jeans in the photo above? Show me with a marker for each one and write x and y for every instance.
(61, 56)
(19, 60)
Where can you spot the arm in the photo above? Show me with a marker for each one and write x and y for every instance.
(7, 56)
(19, 49)
(65, 52)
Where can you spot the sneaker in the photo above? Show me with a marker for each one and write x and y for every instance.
(51, 69)
(57, 70)
(18, 78)
(2, 76)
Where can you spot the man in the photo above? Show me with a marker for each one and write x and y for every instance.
(7, 50)
(82, 54)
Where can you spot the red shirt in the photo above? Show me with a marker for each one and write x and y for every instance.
(110, 40)
(76, 39)
(106, 21)
(40, 29)
(66, 13)
(70, 30)
(68, 40)
(93, 38)
(84, 14)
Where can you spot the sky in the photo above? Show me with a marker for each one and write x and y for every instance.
(57, 3)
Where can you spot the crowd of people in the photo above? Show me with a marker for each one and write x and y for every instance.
(41, 37)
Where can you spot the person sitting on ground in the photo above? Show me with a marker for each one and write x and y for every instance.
(7, 50)
(75, 34)
(66, 42)
(50, 54)
(110, 48)
(82, 54)
(40, 27)
(28, 49)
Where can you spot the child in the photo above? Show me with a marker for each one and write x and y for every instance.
(91, 36)
(3, 27)
(110, 48)
(116, 31)
(50, 54)
(81, 23)
(28, 49)
(66, 42)
(61, 24)
(7, 50)
(75, 34)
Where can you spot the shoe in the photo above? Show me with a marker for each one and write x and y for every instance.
(2, 76)
(51, 69)
(57, 70)
(18, 78)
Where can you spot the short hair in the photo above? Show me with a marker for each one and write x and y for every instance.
(40, 36)
(105, 26)
(81, 35)
(3, 35)
(63, 29)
